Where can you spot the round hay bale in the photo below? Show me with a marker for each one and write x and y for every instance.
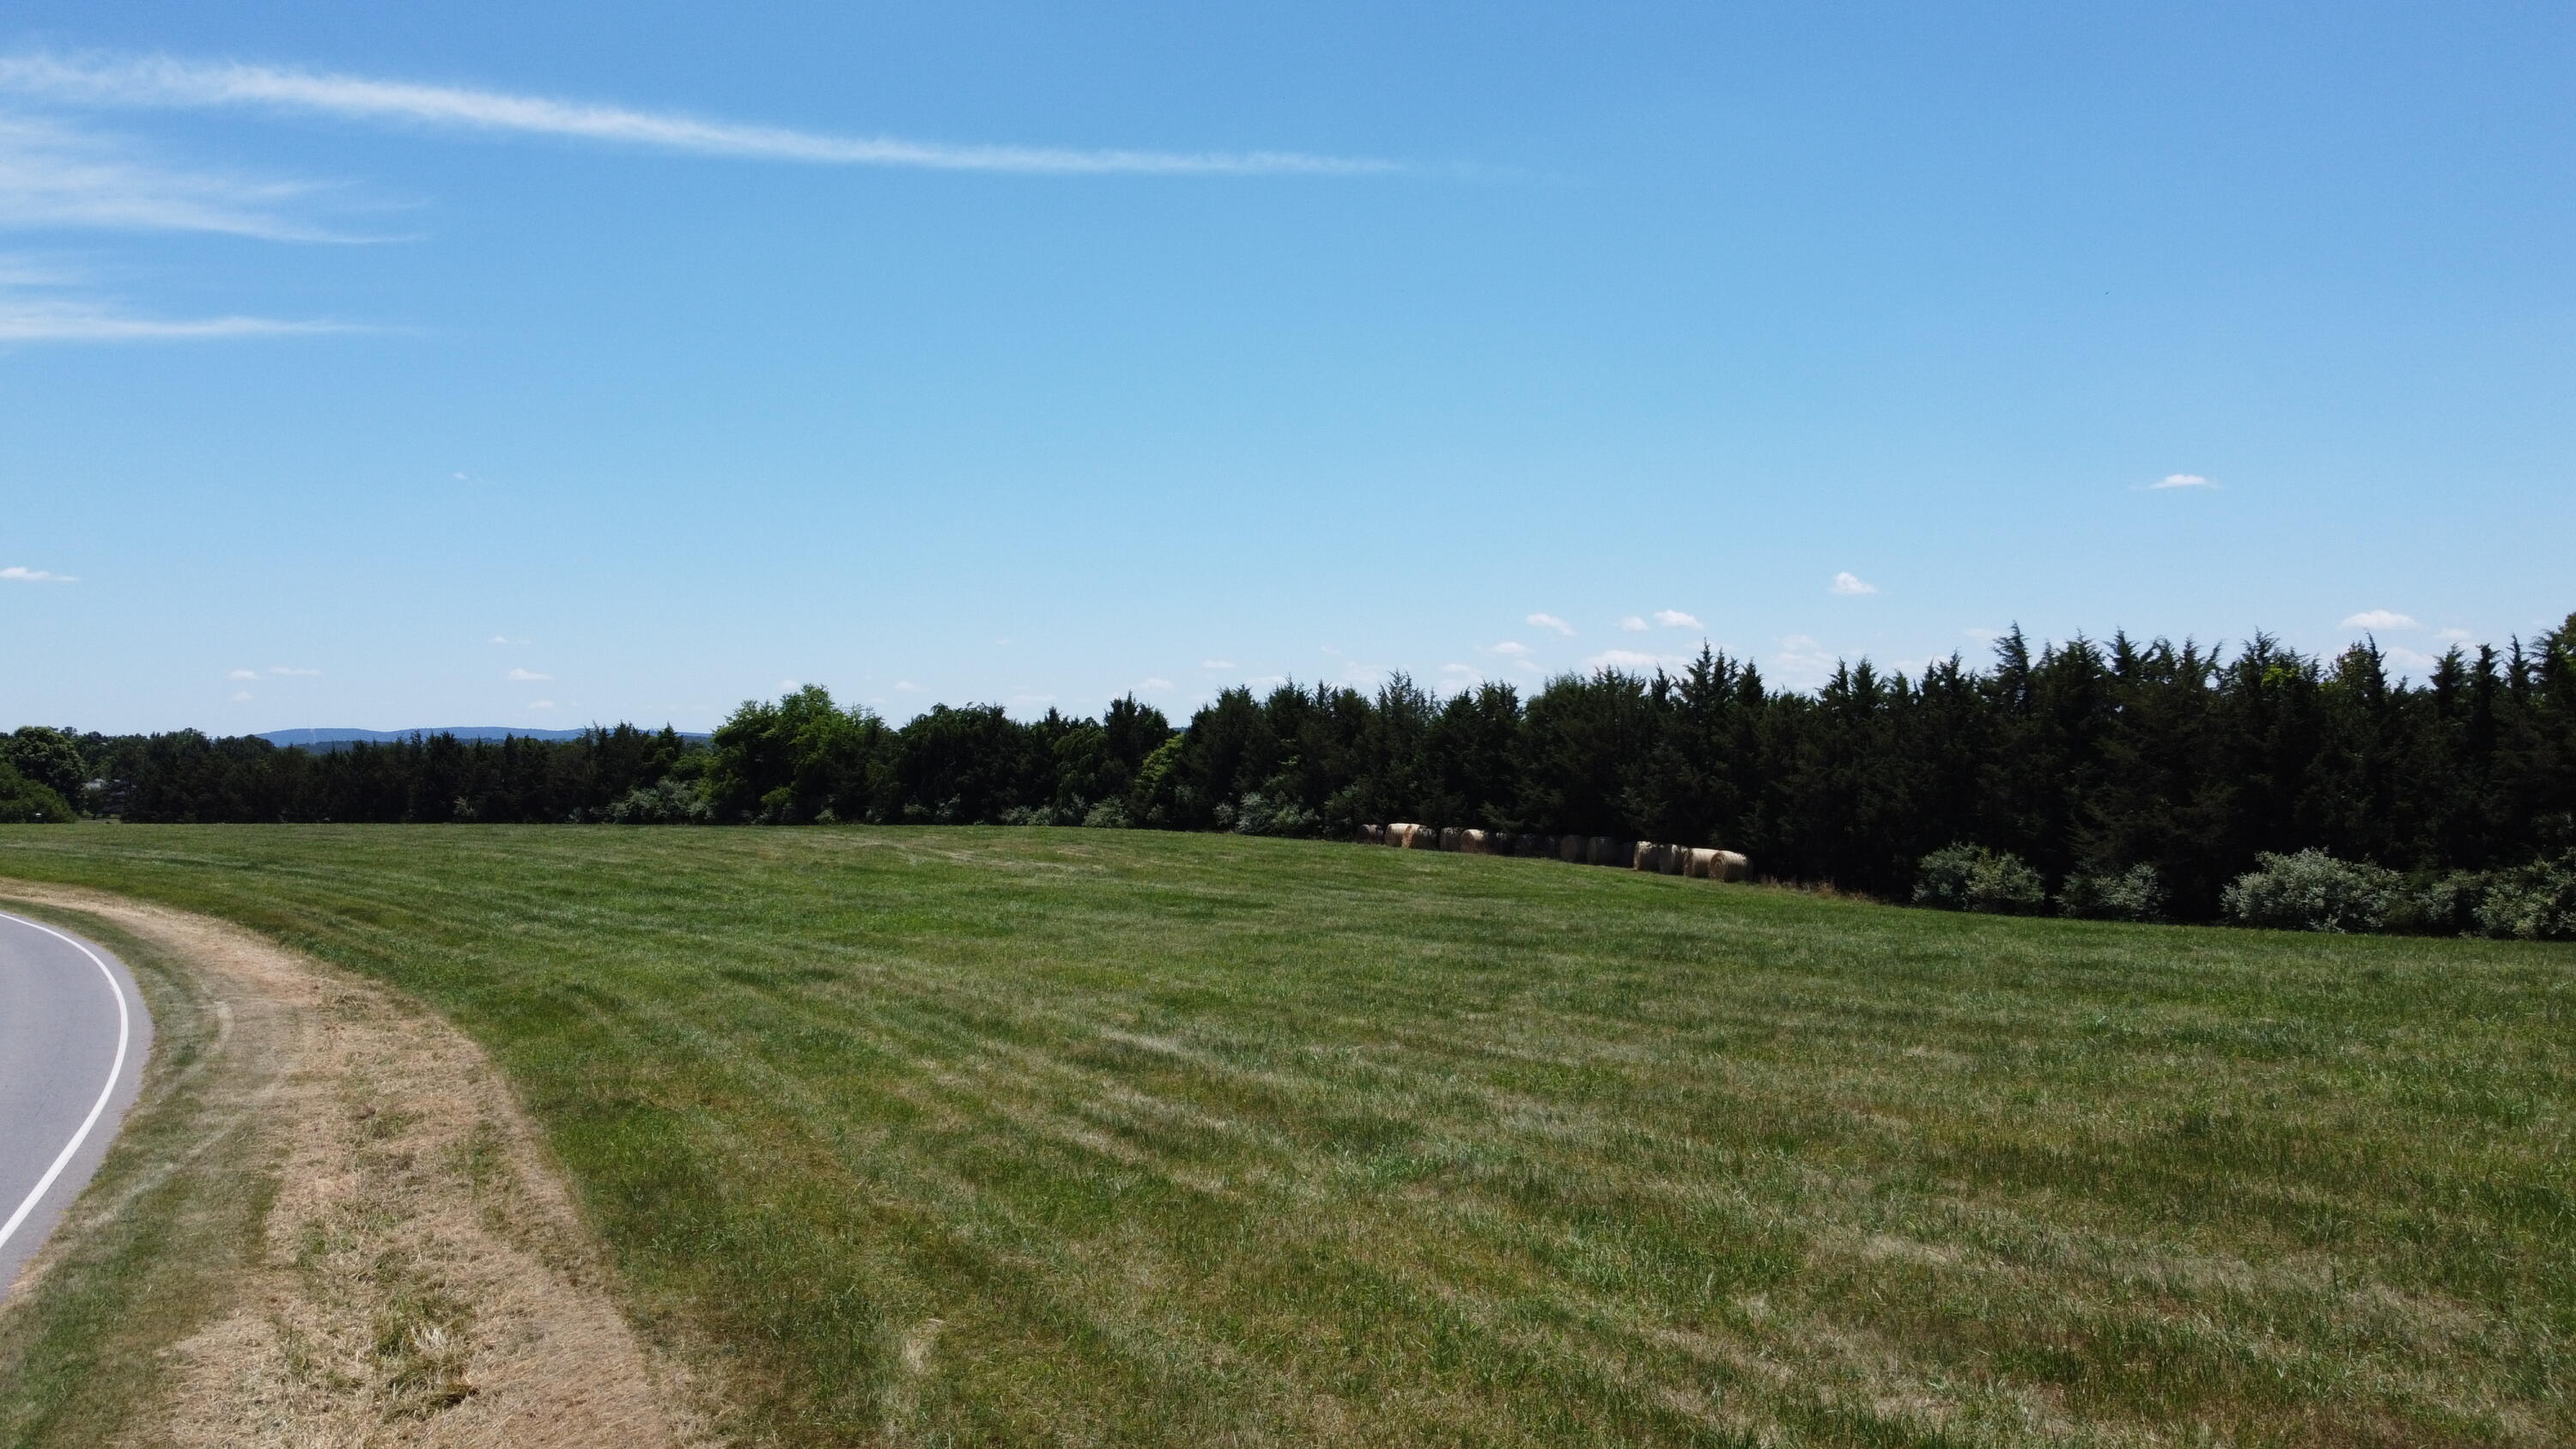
(1400, 835)
(1734, 866)
(1569, 848)
(1449, 837)
(1695, 863)
(1372, 835)
(1676, 859)
(1601, 850)
(1472, 842)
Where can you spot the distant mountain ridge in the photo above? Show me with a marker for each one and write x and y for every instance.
(328, 739)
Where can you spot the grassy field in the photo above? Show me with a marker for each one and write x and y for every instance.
(1031, 1136)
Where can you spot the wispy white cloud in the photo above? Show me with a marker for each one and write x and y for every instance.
(2453, 636)
(243, 674)
(1633, 624)
(1550, 621)
(239, 695)
(21, 574)
(55, 177)
(506, 639)
(1802, 661)
(49, 320)
(1216, 664)
(528, 675)
(164, 81)
(543, 704)
(1676, 619)
(1850, 584)
(1510, 648)
(2380, 619)
(906, 686)
(1155, 683)
(289, 671)
(2180, 480)
(2407, 658)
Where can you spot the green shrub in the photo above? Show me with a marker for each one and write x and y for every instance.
(2534, 903)
(1259, 815)
(2438, 905)
(27, 802)
(669, 802)
(2311, 891)
(1971, 878)
(2135, 894)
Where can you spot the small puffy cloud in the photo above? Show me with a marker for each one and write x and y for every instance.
(1509, 648)
(506, 639)
(906, 686)
(2179, 480)
(1460, 669)
(2453, 636)
(1850, 585)
(1676, 619)
(240, 695)
(289, 671)
(243, 674)
(525, 675)
(1983, 634)
(19, 573)
(1550, 621)
(2408, 658)
(2380, 619)
(1155, 684)
(1632, 624)
(1630, 661)
(1216, 664)
(543, 704)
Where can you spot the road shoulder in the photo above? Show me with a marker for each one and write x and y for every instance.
(327, 1221)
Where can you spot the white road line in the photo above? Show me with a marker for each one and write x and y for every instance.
(124, 1034)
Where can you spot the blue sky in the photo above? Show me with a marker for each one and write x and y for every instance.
(533, 364)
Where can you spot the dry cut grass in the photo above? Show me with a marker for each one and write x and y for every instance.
(991, 1137)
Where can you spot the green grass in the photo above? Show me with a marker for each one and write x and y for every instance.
(1001, 1136)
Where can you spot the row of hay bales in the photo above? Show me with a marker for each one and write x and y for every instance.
(1696, 862)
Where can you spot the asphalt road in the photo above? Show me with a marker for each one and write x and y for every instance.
(73, 1036)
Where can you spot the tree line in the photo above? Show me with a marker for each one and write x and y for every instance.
(2080, 760)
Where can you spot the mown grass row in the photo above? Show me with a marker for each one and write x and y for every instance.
(1004, 1136)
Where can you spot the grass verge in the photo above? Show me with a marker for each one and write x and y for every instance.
(148, 1253)
(992, 1136)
